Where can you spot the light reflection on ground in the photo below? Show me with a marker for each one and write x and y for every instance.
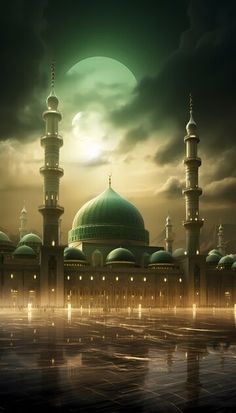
(161, 361)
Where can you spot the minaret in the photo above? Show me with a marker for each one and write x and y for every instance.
(51, 256)
(169, 235)
(23, 222)
(192, 191)
(221, 241)
(51, 171)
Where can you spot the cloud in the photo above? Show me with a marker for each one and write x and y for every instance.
(21, 77)
(205, 65)
(222, 191)
(170, 152)
(132, 138)
(172, 188)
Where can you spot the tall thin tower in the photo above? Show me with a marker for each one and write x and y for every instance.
(51, 257)
(169, 235)
(52, 142)
(221, 241)
(192, 191)
(23, 222)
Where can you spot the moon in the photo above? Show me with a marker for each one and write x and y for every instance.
(94, 87)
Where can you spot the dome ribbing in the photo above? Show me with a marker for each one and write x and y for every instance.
(109, 216)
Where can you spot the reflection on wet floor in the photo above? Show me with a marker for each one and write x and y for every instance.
(155, 362)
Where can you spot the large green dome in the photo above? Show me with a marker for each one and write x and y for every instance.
(108, 217)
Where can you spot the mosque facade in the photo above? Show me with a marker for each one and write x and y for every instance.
(108, 262)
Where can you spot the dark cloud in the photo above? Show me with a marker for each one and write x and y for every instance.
(172, 188)
(21, 79)
(222, 192)
(131, 138)
(205, 64)
(172, 150)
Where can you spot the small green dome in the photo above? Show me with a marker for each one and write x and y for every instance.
(30, 239)
(216, 252)
(4, 239)
(109, 216)
(226, 261)
(161, 257)
(120, 255)
(24, 251)
(179, 253)
(213, 258)
(74, 254)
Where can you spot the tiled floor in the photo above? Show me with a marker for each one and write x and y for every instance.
(120, 362)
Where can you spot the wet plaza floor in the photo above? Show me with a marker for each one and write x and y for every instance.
(158, 361)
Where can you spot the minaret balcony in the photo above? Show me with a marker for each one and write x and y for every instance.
(52, 138)
(54, 210)
(194, 161)
(51, 112)
(193, 223)
(192, 190)
(47, 170)
(191, 137)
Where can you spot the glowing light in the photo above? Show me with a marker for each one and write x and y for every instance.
(131, 279)
(180, 280)
(29, 306)
(12, 276)
(80, 277)
(53, 290)
(68, 277)
(103, 278)
(53, 243)
(91, 278)
(145, 279)
(117, 278)
(35, 276)
(165, 279)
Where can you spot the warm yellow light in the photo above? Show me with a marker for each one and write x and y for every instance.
(131, 279)
(12, 276)
(117, 278)
(35, 276)
(91, 278)
(103, 278)
(180, 280)
(68, 277)
(165, 279)
(145, 279)
(53, 290)
(80, 277)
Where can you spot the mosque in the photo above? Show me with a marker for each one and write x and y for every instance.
(108, 262)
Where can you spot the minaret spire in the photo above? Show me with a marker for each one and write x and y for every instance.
(221, 241)
(169, 234)
(52, 77)
(23, 222)
(109, 180)
(192, 191)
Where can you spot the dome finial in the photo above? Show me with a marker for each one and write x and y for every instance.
(109, 179)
